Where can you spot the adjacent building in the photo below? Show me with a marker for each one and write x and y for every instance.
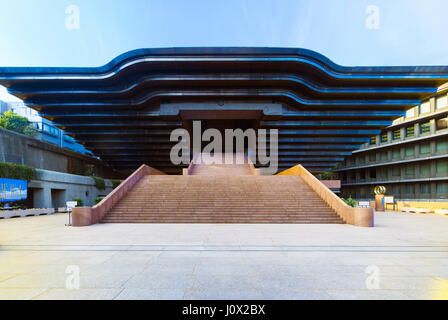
(410, 157)
(47, 131)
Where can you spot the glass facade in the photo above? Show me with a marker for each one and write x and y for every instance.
(425, 148)
(409, 151)
(441, 146)
(425, 169)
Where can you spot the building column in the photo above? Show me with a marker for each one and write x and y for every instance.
(42, 198)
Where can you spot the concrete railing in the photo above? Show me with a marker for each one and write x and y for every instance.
(85, 216)
(362, 217)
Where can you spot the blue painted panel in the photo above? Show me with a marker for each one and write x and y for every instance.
(13, 190)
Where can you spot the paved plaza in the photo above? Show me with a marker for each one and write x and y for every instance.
(404, 257)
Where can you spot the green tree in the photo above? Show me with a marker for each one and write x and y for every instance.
(328, 176)
(11, 121)
(79, 201)
(351, 202)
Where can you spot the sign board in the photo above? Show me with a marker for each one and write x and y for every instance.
(70, 205)
(13, 190)
(364, 204)
(389, 199)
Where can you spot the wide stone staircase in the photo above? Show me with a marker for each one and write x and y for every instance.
(221, 194)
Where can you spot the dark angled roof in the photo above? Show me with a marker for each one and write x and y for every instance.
(327, 110)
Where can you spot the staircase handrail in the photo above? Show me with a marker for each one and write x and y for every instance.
(83, 216)
(362, 217)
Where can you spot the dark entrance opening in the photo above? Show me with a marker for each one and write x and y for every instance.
(221, 120)
(221, 125)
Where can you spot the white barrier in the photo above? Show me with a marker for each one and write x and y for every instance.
(416, 210)
(6, 214)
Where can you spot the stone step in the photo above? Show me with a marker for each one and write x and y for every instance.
(224, 221)
(221, 194)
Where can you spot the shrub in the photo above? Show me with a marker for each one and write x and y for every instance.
(17, 171)
(328, 176)
(351, 202)
(115, 183)
(100, 184)
(11, 121)
(79, 201)
(97, 200)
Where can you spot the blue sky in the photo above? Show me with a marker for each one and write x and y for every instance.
(34, 33)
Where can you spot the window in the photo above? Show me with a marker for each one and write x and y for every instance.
(410, 132)
(441, 102)
(50, 130)
(396, 135)
(396, 154)
(409, 170)
(362, 175)
(362, 159)
(425, 107)
(424, 188)
(410, 189)
(383, 156)
(373, 174)
(425, 127)
(425, 169)
(442, 166)
(410, 113)
(396, 172)
(382, 173)
(410, 151)
(373, 140)
(442, 189)
(384, 137)
(396, 190)
(425, 148)
(363, 192)
(441, 123)
(441, 146)
(372, 157)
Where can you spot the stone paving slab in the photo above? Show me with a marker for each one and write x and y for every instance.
(225, 261)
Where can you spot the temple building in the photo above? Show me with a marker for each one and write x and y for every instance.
(125, 111)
